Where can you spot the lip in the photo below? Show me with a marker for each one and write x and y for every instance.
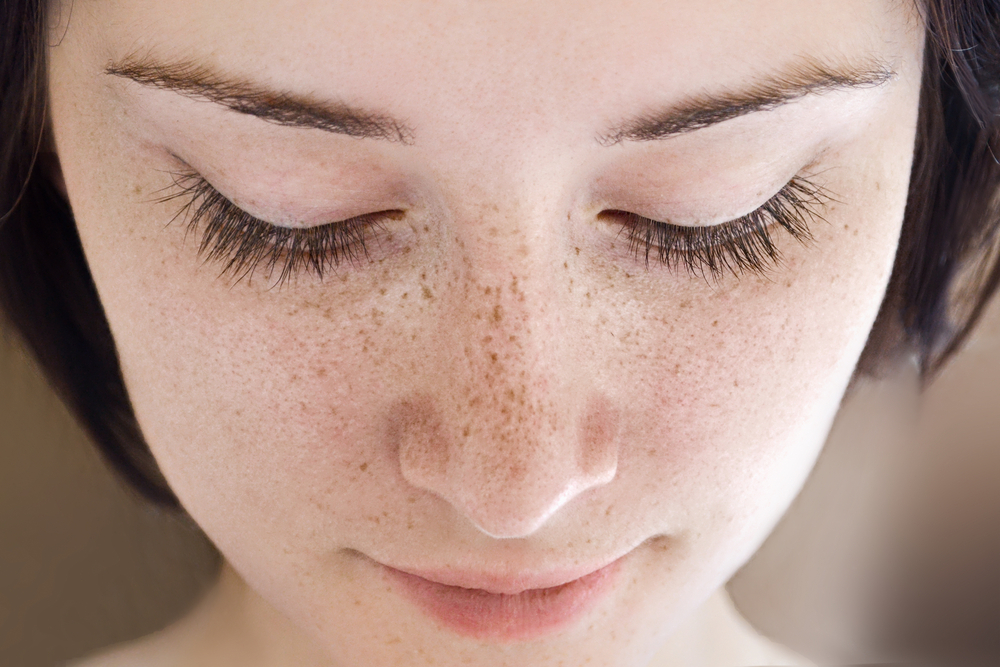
(520, 606)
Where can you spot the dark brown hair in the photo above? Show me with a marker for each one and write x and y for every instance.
(48, 297)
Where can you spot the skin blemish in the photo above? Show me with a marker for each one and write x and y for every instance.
(498, 313)
(363, 467)
(427, 293)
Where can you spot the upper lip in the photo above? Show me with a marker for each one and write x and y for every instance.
(508, 582)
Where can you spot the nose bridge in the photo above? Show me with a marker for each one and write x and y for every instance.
(506, 435)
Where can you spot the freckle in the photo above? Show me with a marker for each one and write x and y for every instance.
(685, 304)
(715, 323)
(405, 295)
(513, 338)
(321, 372)
(493, 357)
(428, 294)
(364, 466)
(577, 250)
(466, 430)
(498, 313)
(382, 291)
(565, 265)
(736, 383)
(406, 249)
(426, 228)
(137, 190)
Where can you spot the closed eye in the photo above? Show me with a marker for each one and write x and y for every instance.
(745, 245)
(245, 245)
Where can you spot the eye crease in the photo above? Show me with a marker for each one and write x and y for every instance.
(737, 247)
(244, 244)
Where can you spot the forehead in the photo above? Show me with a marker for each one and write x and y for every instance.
(503, 58)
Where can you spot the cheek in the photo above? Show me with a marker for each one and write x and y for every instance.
(731, 389)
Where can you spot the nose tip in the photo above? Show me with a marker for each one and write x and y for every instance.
(507, 484)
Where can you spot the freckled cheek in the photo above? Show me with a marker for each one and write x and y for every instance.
(279, 411)
(721, 383)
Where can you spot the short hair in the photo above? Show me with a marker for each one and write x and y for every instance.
(48, 297)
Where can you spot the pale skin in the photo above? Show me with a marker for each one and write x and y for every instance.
(501, 385)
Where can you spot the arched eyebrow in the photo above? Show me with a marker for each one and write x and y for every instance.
(282, 108)
(805, 77)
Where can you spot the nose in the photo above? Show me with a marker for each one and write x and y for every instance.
(507, 481)
(507, 427)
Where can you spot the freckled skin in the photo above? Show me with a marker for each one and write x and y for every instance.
(501, 385)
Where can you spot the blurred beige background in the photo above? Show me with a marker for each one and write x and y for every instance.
(83, 564)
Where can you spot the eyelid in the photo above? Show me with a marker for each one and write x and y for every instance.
(739, 246)
(242, 241)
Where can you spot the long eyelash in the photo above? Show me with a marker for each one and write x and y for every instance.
(243, 243)
(738, 247)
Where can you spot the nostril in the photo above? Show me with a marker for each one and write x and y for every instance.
(506, 476)
(597, 456)
(419, 435)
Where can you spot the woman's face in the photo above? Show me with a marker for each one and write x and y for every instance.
(489, 383)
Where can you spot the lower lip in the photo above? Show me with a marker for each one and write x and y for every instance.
(522, 616)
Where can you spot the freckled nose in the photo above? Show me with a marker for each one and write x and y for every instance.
(507, 478)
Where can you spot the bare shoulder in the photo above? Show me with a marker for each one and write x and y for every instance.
(176, 645)
(172, 646)
(150, 651)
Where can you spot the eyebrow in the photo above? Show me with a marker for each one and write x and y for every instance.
(245, 97)
(805, 77)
